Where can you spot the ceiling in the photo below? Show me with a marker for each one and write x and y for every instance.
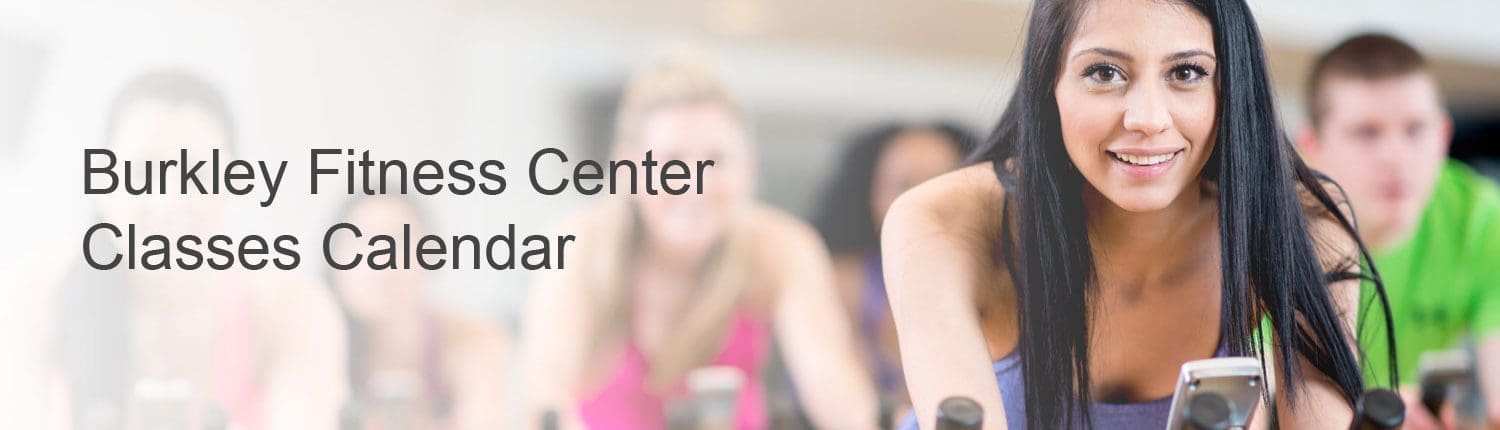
(988, 32)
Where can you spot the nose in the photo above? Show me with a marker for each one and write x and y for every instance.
(1146, 111)
(1390, 151)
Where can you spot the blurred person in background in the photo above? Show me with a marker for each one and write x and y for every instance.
(411, 364)
(187, 348)
(662, 285)
(1379, 128)
(879, 164)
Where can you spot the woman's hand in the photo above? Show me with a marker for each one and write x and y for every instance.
(1417, 416)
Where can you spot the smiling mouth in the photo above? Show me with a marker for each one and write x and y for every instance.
(1144, 160)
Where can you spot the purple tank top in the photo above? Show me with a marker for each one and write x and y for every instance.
(874, 312)
(1151, 414)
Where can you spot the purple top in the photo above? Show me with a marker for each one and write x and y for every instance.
(1144, 415)
(874, 310)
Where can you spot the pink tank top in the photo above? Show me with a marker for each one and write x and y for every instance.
(234, 368)
(624, 403)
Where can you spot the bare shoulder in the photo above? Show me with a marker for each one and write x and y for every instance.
(590, 216)
(466, 329)
(964, 206)
(1316, 209)
(945, 232)
(942, 254)
(783, 251)
(779, 235)
(1336, 246)
(472, 341)
(594, 257)
(288, 304)
(38, 275)
(276, 294)
(593, 225)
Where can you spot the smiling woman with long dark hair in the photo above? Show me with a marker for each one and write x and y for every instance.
(1137, 207)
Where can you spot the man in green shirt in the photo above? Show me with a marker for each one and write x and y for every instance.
(1378, 127)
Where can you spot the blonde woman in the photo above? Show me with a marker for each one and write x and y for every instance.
(666, 284)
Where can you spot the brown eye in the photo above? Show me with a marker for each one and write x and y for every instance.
(1104, 73)
(1188, 73)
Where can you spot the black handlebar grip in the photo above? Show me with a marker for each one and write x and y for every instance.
(1379, 410)
(550, 420)
(959, 413)
(1433, 395)
(886, 414)
(1207, 411)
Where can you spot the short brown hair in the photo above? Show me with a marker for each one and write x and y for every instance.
(1369, 56)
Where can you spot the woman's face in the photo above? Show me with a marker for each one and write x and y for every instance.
(378, 294)
(152, 129)
(689, 224)
(1136, 97)
(911, 157)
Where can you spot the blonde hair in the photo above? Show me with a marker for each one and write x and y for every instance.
(677, 78)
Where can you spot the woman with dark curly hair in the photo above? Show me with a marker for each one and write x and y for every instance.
(880, 163)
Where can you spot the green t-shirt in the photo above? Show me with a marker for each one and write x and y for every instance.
(1443, 281)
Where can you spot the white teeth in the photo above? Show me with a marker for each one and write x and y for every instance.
(1144, 160)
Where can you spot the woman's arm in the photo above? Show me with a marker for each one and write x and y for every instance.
(931, 268)
(477, 361)
(554, 344)
(305, 382)
(1321, 405)
(26, 335)
(813, 331)
(1488, 353)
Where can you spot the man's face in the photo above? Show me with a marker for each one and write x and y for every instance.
(1383, 141)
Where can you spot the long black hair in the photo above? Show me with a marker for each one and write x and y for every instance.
(843, 216)
(357, 333)
(1269, 264)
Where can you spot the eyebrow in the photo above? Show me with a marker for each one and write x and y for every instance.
(1189, 54)
(1105, 52)
(1123, 56)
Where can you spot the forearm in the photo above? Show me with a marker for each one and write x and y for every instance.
(819, 347)
(480, 366)
(306, 379)
(553, 348)
(955, 364)
(1315, 409)
(943, 349)
(1319, 404)
(305, 386)
(833, 390)
(302, 400)
(545, 388)
(1487, 352)
(930, 274)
